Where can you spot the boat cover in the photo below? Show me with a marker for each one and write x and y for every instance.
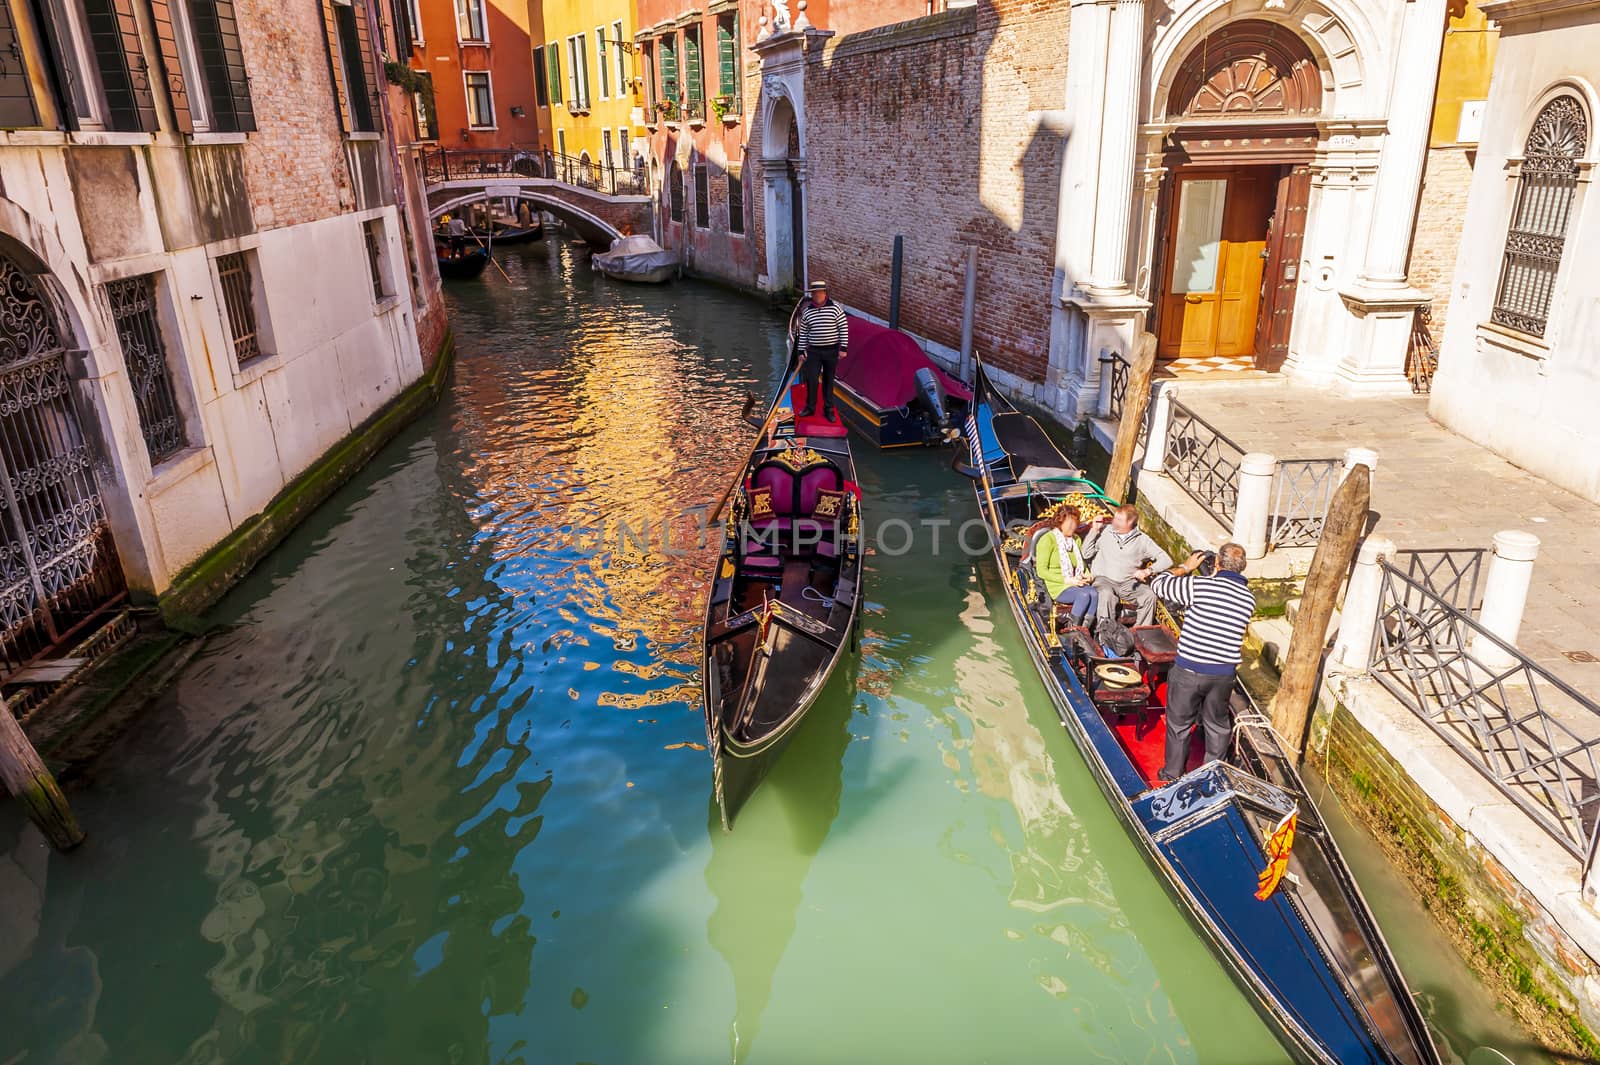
(637, 254)
(1033, 456)
(883, 366)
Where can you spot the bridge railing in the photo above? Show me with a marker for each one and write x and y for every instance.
(491, 164)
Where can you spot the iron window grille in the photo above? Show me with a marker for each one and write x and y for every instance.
(735, 202)
(1536, 238)
(675, 192)
(238, 295)
(373, 231)
(702, 198)
(133, 309)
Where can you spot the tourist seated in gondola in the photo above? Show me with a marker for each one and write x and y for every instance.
(1217, 610)
(1122, 558)
(1058, 561)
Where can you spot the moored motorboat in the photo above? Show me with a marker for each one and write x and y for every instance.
(892, 393)
(1305, 947)
(785, 598)
(636, 258)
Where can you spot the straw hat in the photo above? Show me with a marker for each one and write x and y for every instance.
(1117, 675)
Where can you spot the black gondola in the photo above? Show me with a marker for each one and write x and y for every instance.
(510, 233)
(1310, 954)
(462, 265)
(785, 599)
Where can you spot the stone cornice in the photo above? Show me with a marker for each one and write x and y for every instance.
(1504, 11)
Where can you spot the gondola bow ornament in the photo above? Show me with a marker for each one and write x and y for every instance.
(1279, 844)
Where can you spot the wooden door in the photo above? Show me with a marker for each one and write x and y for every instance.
(1282, 279)
(1217, 237)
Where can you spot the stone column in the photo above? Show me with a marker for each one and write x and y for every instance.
(1108, 266)
(1505, 594)
(1358, 619)
(1253, 508)
(1360, 456)
(1155, 448)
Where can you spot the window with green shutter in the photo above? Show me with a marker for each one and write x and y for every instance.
(553, 65)
(694, 86)
(669, 70)
(728, 61)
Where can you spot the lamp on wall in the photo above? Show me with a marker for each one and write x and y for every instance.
(626, 46)
(517, 112)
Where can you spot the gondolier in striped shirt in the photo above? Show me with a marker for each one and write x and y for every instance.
(1217, 610)
(824, 340)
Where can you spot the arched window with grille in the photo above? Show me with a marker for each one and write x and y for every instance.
(1536, 238)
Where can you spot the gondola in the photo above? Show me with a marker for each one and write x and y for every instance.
(510, 233)
(785, 600)
(1310, 954)
(462, 266)
(893, 394)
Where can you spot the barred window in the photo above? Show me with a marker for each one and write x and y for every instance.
(675, 192)
(702, 198)
(239, 299)
(1536, 238)
(375, 237)
(735, 202)
(133, 309)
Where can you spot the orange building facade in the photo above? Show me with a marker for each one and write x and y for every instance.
(477, 85)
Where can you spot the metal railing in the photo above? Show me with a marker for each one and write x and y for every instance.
(459, 164)
(1302, 490)
(1204, 462)
(1449, 574)
(693, 110)
(1494, 706)
(1118, 369)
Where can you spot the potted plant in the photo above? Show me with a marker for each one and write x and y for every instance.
(721, 105)
(666, 109)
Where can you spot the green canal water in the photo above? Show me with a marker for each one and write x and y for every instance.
(437, 793)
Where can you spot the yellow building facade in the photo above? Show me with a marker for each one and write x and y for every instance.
(1464, 67)
(587, 70)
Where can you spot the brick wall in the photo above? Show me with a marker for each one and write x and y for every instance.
(295, 164)
(924, 129)
(1440, 214)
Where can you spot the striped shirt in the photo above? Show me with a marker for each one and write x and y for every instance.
(1217, 610)
(824, 327)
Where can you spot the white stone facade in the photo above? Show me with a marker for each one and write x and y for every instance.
(1527, 392)
(1377, 62)
(334, 352)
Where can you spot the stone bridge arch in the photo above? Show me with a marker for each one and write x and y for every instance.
(598, 219)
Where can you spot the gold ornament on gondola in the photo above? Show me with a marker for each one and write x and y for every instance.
(1089, 508)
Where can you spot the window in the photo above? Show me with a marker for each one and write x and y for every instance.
(561, 142)
(702, 198)
(554, 65)
(103, 66)
(728, 63)
(606, 158)
(675, 192)
(377, 262)
(602, 62)
(1536, 238)
(622, 151)
(407, 26)
(427, 117)
(144, 352)
(694, 86)
(239, 301)
(735, 202)
(541, 79)
(669, 72)
(470, 22)
(353, 84)
(480, 100)
(227, 86)
(648, 57)
(577, 74)
(622, 60)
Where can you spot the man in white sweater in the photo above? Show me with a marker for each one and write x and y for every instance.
(1123, 558)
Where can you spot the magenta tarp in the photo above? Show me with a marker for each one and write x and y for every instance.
(883, 363)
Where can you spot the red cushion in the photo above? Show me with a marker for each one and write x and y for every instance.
(816, 425)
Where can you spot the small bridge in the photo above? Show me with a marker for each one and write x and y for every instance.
(599, 203)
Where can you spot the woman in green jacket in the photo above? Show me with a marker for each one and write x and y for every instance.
(1058, 560)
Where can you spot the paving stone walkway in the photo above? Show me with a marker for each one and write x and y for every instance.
(1434, 489)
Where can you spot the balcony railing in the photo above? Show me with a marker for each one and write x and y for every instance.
(693, 110)
(1302, 490)
(1204, 462)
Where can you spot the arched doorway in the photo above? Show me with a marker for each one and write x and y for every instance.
(1244, 103)
(58, 565)
(783, 170)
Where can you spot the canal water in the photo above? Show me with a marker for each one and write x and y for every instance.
(436, 791)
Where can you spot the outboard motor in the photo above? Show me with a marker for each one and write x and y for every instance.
(930, 397)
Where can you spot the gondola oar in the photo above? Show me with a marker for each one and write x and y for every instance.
(489, 251)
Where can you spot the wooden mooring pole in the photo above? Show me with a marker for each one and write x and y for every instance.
(1135, 403)
(1336, 551)
(24, 775)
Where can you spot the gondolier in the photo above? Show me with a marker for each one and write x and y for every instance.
(1217, 610)
(824, 340)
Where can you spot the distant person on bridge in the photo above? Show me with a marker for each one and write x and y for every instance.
(824, 340)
